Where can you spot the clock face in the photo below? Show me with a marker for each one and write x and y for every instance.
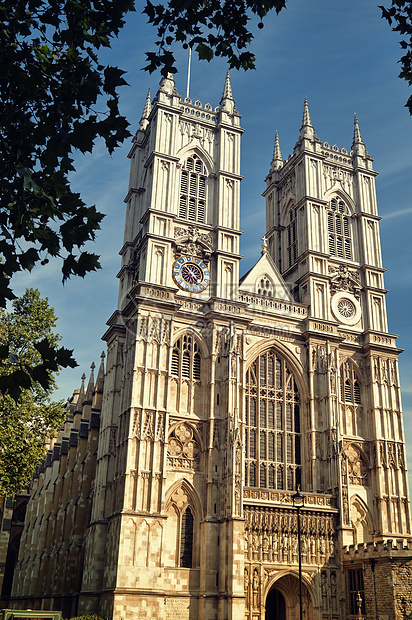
(190, 274)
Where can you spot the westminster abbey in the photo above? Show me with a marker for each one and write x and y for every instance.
(168, 493)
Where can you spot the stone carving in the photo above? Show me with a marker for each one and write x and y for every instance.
(183, 449)
(192, 242)
(344, 279)
(273, 536)
(357, 468)
(148, 425)
(153, 328)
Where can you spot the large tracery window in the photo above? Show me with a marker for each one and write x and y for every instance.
(339, 230)
(192, 202)
(272, 416)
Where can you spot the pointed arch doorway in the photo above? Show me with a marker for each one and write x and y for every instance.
(275, 606)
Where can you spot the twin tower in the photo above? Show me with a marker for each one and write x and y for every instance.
(223, 395)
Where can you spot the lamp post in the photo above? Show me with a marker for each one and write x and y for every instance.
(298, 503)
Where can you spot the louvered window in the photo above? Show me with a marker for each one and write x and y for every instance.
(339, 230)
(272, 439)
(192, 201)
(292, 242)
(351, 400)
(186, 359)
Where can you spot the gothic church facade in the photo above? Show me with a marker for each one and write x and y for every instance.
(223, 396)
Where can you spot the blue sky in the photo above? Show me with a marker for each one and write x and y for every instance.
(343, 57)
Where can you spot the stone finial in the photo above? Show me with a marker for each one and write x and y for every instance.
(307, 130)
(264, 245)
(144, 121)
(227, 103)
(277, 161)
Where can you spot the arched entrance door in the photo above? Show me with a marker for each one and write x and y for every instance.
(275, 606)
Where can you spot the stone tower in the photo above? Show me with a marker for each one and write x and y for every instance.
(223, 397)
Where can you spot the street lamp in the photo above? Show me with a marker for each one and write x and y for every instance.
(298, 503)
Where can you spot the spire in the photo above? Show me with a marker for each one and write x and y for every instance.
(277, 161)
(227, 103)
(144, 121)
(357, 138)
(307, 130)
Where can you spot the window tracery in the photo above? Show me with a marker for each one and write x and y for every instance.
(264, 286)
(183, 449)
(192, 200)
(339, 229)
(272, 417)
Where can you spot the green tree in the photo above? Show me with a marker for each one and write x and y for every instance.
(399, 14)
(26, 424)
(211, 27)
(222, 28)
(51, 86)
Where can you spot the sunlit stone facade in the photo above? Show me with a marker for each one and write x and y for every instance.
(219, 401)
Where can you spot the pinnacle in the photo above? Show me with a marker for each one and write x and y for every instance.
(357, 138)
(227, 91)
(277, 160)
(146, 111)
(306, 122)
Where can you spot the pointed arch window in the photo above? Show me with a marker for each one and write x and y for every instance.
(186, 539)
(272, 416)
(351, 400)
(192, 200)
(186, 359)
(339, 229)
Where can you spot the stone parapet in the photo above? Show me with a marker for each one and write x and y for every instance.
(389, 548)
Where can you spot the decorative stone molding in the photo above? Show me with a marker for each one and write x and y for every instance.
(183, 449)
(190, 241)
(344, 279)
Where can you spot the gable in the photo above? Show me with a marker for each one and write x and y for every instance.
(264, 279)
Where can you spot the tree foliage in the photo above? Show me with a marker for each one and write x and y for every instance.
(211, 27)
(51, 86)
(29, 421)
(399, 16)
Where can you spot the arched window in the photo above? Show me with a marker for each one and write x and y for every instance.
(181, 543)
(186, 360)
(339, 229)
(192, 202)
(351, 403)
(272, 417)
